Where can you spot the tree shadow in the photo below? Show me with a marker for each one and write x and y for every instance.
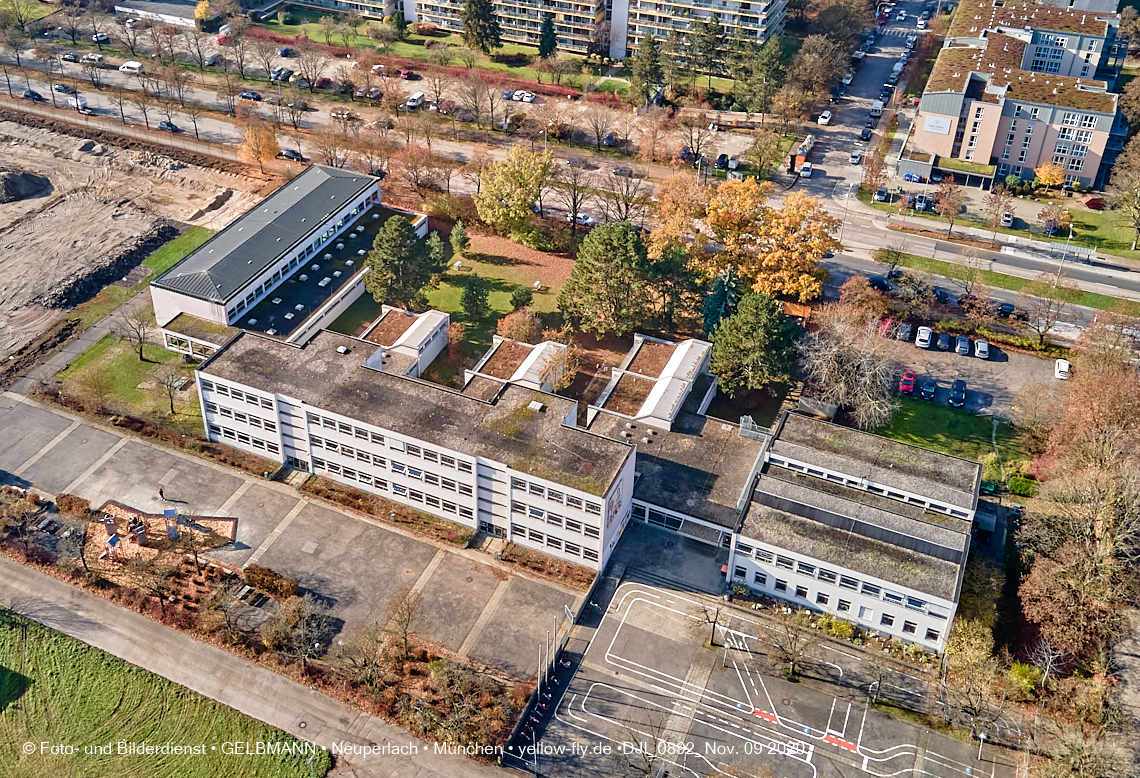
(13, 686)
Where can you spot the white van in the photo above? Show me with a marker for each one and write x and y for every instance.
(805, 170)
(130, 66)
(416, 100)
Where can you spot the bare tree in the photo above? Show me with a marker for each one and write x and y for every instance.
(949, 201)
(130, 36)
(624, 198)
(142, 102)
(473, 170)
(436, 82)
(46, 56)
(170, 380)
(265, 54)
(197, 44)
(1048, 299)
(177, 82)
(194, 111)
(100, 385)
(470, 91)
(98, 19)
(560, 368)
(600, 121)
(1048, 659)
(93, 72)
(241, 47)
(311, 63)
(71, 20)
(641, 754)
(120, 97)
(574, 186)
(467, 57)
(997, 202)
(792, 641)
(402, 616)
(331, 147)
(228, 90)
(153, 575)
(707, 616)
(694, 132)
(135, 328)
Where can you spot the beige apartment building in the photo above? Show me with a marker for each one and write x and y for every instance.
(1018, 86)
(756, 20)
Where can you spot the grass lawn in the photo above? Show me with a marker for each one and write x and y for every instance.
(954, 432)
(57, 690)
(1101, 302)
(176, 250)
(613, 87)
(1106, 231)
(118, 360)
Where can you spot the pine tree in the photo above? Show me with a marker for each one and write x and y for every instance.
(673, 57)
(400, 265)
(607, 287)
(547, 39)
(647, 72)
(765, 78)
(722, 299)
(754, 347)
(460, 243)
(475, 296)
(710, 42)
(481, 26)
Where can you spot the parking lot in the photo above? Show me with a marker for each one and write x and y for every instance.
(992, 385)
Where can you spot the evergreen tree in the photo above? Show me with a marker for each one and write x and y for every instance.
(673, 57)
(673, 285)
(754, 347)
(647, 72)
(399, 24)
(460, 243)
(710, 42)
(722, 299)
(547, 39)
(475, 296)
(481, 26)
(436, 253)
(400, 264)
(607, 287)
(764, 79)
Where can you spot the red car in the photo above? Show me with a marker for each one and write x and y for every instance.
(887, 328)
(322, 83)
(906, 383)
(405, 73)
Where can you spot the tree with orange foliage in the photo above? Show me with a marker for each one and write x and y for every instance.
(522, 325)
(1049, 175)
(791, 241)
(860, 295)
(680, 202)
(736, 215)
(259, 142)
(1100, 425)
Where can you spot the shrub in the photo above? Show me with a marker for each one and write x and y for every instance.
(518, 60)
(1023, 681)
(521, 297)
(533, 237)
(444, 206)
(424, 28)
(521, 325)
(1022, 487)
(844, 630)
(279, 586)
(75, 507)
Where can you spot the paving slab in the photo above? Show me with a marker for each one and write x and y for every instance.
(69, 458)
(353, 566)
(453, 598)
(24, 432)
(516, 630)
(258, 511)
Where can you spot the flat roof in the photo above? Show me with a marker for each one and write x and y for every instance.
(973, 16)
(939, 477)
(699, 468)
(229, 260)
(505, 429)
(200, 329)
(390, 327)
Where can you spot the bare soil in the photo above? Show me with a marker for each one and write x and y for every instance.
(629, 394)
(651, 359)
(506, 359)
(390, 328)
(102, 207)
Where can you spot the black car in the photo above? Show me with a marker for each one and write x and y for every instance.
(168, 127)
(871, 122)
(866, 133)
(63, 89)
(284, 51)
(609, 141)
(32, 95)
(943, 342)
(1005, 310)
(941, 296)
(292, 155)
(722, 162)
(958, 394)
(928, 389)
(879, 284)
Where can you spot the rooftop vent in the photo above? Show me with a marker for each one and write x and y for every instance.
(342, 349)
(645, 440)
(535, 405)
(626, 434)
(629, 425)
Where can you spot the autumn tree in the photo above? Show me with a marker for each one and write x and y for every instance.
(858, 293)
(679, 203)
(949, 200)
(848, 364)
(522, 325)
(1049, 175)
(259, 142)
(510, 186)
(972, 673)
(1054, 218)
(606, 291)
(560, 367)
(1048, 299)
(654, 125)
(1035, 413)
(1124, 191)
(789, 103)
(791, 241)
(996, 203)
(400, 265)
(736, 216)
(401, 619)
(764, 152)
(1098, 426)
(755, 347)
(1112, 338)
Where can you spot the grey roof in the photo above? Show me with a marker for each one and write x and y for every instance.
(225, 263)
(504, 428)
(936, 476)
(699, 468)
(850, 528)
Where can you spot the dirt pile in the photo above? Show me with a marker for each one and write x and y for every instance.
(22, 185)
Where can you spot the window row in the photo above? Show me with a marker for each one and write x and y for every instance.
(556, 520)
(658, 518)
(246, 418)
(396, 445)
(1075, 119)
(520, 532)
(834, 578)
(555, 495)
(238, 394)
(379, 484)
(246, 440)
(824, 599)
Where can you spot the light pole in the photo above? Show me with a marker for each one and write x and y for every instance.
(1064, 254)
(846, 203)
(981, 742)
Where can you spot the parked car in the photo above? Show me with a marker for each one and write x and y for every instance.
(322, 82)
(871, 122)
(982, 349)
(609, 141)
(825, 118)
(887, 327)
(856, 158)
(101, 37)
(1062, 369)
(284, 51)
(407, 73)
(168, 127)
(624, 172)
(508, 94)
(941, 296)
(848, 78)
(925, 335)
(866, 134)
(291, 154)
(962, 345)
(906, 383)
(943, 341)
(722, 162)
(1005, 310)
(69, 57)
(34, 96)
(904, 332)
(880, 194)
(63, 89)
(249, 96)
(921, 203)
(1007, 219)
(928, 389)
(582, 219)
(880, 284)
(958, 393)
(529, 97)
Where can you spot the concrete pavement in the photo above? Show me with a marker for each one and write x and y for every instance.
(225, 678)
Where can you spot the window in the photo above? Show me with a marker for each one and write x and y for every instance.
(781, 586)
(348, 451)
(269, 425)
(978, 113)
(431, 478)
(871, 590)
(805, 569)
(553, 542)
(537, 490)
(1071, 119)
(447, 461)
(820, 598)
(844, 605)
(379, 461)
(536, 536)
(554, 518)
(909, 627)
(413, 450)
(848, 583)
(237, 394)
(590, 532)
(1061, 148)
(207, 385)
(594, 508)
(887, 621)
(1058, 160)
(784, 562)
(211, 407)
(1009, 139)
(1088, 120)
(414, 473)
(894, 599)
(215, 429)
(367, 479)
(588, 554)
(744, 548)
(801, 591)
(1083, 136)
(1076, 164)
(1013, 124)
(518, 529)
(400, 490)
(464, 467)
(763, 556)
(1005, 153)
(828, 576)
(396, 445)
(571, 548)
(448, 484)
(449, 507)
(554, 495)
(759, 578)
(375, 438)
(536, 513)
(915, 604)
(518, 507)
(932, 635)
(1029, 127)
(334, 468)
(574, 502)
(465, 489)
(976, 127)
(518, 483)
(740, 572)
(1026, 142)
(573, 526)
(1065, 133)
(1022, 155)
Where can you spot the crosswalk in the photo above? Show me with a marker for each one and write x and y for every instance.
(897, 32)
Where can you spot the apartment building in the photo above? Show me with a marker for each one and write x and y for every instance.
(873, 531)
(1018, 86)
(581, 26)
(505, 459)
(633, 20)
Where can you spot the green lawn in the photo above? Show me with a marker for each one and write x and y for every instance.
(57, 690)
(951, 431)
(613, 87)
(1106, 231)
(174, 251)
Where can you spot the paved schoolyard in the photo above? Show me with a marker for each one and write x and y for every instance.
(471, 606)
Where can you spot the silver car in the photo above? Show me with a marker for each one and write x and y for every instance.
(962, 345)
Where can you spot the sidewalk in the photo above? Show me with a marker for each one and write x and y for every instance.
(225, 678)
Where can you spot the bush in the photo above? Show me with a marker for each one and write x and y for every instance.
(1022, 487)
(521, 297)
(280, 587)
(533, 237)
(444, 206)
(424, 28)
(75, 507)
(518, 60)
(1023, 681)
(844, 630)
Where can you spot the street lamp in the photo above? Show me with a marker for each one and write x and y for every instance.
(981, 742)
(846, 203)
(1064, 254)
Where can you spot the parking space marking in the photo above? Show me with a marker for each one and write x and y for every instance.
(43, 451)
(71, 487)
